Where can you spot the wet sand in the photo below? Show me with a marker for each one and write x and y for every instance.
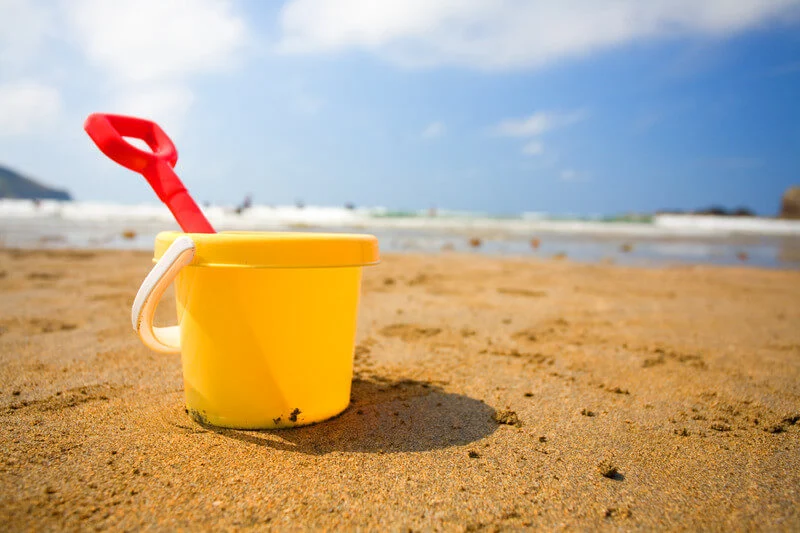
(489, 393)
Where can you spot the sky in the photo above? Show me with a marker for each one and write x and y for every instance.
(500, 106)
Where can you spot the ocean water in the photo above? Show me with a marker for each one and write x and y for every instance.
(662, 239)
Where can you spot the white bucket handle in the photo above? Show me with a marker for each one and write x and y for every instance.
(165, 340)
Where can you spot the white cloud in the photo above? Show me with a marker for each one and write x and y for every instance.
(538, 123)
(157, 40)
(509, 34)
(142, 56)
(27, 107)
(148, 52)
(434, 130)
(533, 147)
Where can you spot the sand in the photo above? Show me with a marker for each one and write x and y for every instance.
(489, 393)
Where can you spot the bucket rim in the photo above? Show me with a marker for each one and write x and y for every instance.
(276, 249)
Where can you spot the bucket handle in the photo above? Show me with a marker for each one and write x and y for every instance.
(168, 339)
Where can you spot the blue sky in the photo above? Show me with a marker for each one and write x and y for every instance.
(501, 106)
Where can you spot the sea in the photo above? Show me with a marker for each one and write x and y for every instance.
(667, 239)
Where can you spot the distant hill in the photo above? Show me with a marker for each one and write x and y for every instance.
(14, 185)
(715, 210)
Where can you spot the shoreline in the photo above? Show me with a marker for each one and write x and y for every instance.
(775, 252)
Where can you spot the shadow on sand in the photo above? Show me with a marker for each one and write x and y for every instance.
(384, 416)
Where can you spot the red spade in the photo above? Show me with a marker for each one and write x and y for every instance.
(107, 132)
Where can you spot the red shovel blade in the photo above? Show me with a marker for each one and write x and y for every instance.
(107, 132)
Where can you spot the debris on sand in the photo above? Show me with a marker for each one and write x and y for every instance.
(128, 234)
(507, 417)
(475, 242)
(409, 332)
(608, 469)
(613, 512)
(783, 425)
(587, 412)
(419, 279)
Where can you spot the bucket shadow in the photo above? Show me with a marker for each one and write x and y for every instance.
(384, 416)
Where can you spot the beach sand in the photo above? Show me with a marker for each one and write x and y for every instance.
(489, 393)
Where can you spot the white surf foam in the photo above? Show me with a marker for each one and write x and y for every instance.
(266, 217)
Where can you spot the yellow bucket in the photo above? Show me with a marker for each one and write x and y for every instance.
(266, 322)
